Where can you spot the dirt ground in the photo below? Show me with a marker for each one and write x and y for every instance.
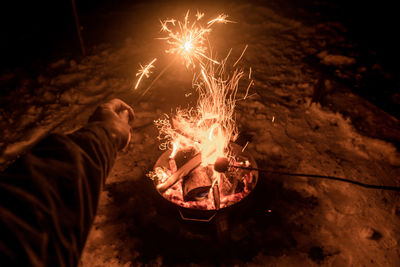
(302, 116)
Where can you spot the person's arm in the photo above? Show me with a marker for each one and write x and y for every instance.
(49, 196)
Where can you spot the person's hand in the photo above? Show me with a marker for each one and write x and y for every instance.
(116, 116)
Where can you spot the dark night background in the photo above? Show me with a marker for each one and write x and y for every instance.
(37, 32)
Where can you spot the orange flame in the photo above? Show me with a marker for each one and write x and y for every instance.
(174, 150)
(210, 127)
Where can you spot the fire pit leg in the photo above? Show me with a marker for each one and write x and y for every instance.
(222, 227)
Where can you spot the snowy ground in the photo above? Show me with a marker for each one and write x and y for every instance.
(311, 222)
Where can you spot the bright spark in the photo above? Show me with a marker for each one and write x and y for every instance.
(199, 15)
(245, 146)
(188, 39)
(244, 50)
(188, 46)
(174, 150)
(220, 19)
(144, 71)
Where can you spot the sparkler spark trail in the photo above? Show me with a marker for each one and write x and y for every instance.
(220, 19)
(199, 15)
(158, 77)
(144, 71)
(209, 127)
(187, 39)
(237, 61)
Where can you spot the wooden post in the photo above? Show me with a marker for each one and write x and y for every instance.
(78, 28)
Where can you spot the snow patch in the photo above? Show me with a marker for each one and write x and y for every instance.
(335, 60)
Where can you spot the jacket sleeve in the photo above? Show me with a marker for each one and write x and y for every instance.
(49, 196)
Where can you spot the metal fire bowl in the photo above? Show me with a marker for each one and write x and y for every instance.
(193, 214)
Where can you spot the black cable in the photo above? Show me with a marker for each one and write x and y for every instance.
(371, 186)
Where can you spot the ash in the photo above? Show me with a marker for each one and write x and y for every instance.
(301, 116)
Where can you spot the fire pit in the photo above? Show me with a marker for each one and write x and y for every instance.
(194, 138)
(198, 191)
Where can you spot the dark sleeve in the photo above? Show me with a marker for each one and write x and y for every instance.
(49, 196)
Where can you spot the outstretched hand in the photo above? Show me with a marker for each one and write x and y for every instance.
(116, 115)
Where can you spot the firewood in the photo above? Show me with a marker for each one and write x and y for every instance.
(215, 192)
(196, 184)
(180, 173)
(172, 165)
(224, 184)
(182, 157)
(217, 197)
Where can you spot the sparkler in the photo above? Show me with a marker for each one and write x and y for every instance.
(186, 40)
(144, 71)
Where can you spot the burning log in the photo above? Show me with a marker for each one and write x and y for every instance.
(217, 197)
(182, 157)
(225, 184)
(172, 165)
(183, 171)
(234, 186)
(197, 184)
(180, 173)
(224, 188)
